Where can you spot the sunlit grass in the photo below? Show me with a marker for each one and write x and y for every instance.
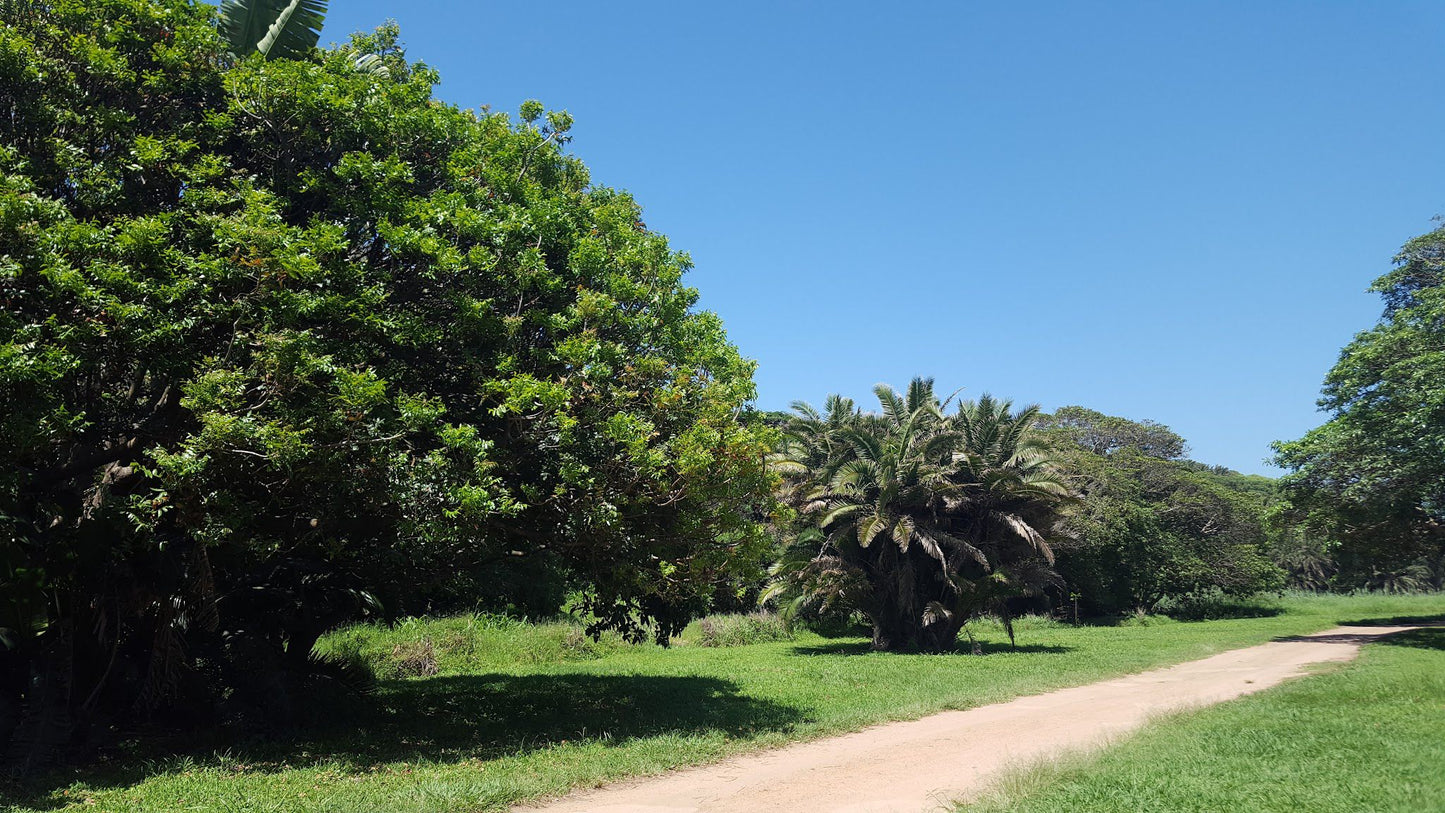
(1369, 736)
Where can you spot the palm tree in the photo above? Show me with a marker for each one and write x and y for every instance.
(1009, 501)
(278, 29)
(918, 519)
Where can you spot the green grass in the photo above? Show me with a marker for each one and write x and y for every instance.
(1366, 736)
(516, 712)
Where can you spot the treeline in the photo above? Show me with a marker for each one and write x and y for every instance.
(1152, 526)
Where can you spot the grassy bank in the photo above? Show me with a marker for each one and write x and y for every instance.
(509, 711)
(1367, 736)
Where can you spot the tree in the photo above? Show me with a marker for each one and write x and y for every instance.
(913, 518)
(1150, 528)
(1372, 478)
(286, 342)
(1105, 434)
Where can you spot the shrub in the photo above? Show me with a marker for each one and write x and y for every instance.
(1214, 605)
(741, 630)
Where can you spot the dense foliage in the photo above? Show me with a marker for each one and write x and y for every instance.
(1151, 527)
(1370, 482)
(287, 342)
(916, 519)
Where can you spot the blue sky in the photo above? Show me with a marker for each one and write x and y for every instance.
(1157, 210)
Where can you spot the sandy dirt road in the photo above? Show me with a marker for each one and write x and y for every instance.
(924, 764)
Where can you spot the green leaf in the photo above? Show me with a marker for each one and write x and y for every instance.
(275, 28)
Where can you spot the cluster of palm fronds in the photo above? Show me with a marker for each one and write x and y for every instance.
(916, 518)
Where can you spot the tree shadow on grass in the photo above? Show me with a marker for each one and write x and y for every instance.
(1187, 615)
(1430, 638)
(488, 716)
(1225, 611)
(1396, 621)
(964, 648)
(455, 718)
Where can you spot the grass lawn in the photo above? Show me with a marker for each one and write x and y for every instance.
(1366, 736)
(517, 712)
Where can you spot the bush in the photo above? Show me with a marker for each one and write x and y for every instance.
(741, 630)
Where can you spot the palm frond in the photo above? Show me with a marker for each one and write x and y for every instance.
(839, 512)
(938, 538)
(1026, 532)
(903, 532)
(805, 410)
(864, 443)
(894, 408)
(870, 527)
(934, 612)
(275, 28)
(920, 395)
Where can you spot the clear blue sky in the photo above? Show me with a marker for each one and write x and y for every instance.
(1158, 210)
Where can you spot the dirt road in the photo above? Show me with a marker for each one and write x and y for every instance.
(922, 765)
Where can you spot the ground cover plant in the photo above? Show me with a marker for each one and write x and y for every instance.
(1363, 736)
(484, 731)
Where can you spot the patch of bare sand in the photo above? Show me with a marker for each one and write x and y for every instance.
(925, 764)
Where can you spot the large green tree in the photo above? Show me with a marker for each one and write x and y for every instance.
(288, 341)
(1372, 478)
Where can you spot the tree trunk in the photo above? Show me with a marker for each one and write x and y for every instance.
(45, 723)
(897, 616)
(941, 635)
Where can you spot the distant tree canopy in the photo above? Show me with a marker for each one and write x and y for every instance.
(1372, 479)
(289, 341)
(1105, 434)
(1149, 527)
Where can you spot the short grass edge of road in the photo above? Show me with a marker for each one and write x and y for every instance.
(1367, 735)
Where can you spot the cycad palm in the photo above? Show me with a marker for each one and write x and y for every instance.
(914, 503)
(1009, 501)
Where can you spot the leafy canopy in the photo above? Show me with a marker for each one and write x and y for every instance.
(289, 341)
(1150, 527)
(1373, 476)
